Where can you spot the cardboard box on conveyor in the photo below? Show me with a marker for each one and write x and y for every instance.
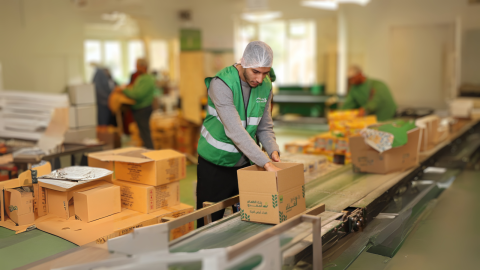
(365, 158)
(271, 197)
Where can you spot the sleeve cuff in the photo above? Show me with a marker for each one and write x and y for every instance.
(264, 160)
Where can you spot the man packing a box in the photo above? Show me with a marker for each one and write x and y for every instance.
(368, 95)
(239, 99)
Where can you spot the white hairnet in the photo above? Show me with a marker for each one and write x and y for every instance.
(257, 54)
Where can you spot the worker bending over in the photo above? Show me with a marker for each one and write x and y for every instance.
(238, 113)
(369, 95)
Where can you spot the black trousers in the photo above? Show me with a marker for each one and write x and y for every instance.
(142, 117)
(215, 183)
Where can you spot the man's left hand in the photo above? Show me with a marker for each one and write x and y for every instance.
(275, 156)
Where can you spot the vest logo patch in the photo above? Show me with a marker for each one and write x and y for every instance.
(261, 100)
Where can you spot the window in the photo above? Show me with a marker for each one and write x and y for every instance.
(120, 57)
(158, 55)
(113, 57)
(93, 54)
(293, 45)
(135, 50)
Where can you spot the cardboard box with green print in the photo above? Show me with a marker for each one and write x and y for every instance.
(271, 197)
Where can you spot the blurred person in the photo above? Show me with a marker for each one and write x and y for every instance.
(369, 95)
(238, 113)
(104, 85)
(143, 91)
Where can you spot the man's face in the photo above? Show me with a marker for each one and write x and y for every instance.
(255, 76)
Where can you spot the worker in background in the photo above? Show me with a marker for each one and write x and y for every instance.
(104, 85)
(238, 113)
(143, 91)
(369, 95)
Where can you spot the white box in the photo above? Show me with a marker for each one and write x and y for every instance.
(82, 94)
(83, 116)
(461, 108)
(79, 135)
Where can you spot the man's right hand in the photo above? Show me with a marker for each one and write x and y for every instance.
(271, 168)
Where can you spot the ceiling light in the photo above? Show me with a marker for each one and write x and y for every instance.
(261, 16)
(325, 4)
(331, 4)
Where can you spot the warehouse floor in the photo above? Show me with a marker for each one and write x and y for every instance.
(446, 238)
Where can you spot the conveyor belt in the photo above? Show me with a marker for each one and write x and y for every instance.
(339, 190)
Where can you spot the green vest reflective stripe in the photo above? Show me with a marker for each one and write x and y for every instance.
(214, 145)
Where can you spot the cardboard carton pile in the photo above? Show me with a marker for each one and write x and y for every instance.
(148, 179)
(121, 190)
(169, 132)
(82, 113)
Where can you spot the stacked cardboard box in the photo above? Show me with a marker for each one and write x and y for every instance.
(85, 212)
(82, 114)
(148, 179)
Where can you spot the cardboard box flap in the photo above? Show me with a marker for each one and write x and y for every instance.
(127, 159)
(101, 155)
(291, 178)
(256, 179)
(162, 154)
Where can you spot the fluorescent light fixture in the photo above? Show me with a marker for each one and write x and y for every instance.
(322, 4)
(359, 2)
(331, 4)
(261, 16)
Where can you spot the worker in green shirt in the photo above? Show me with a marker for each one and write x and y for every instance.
(143, 91)
(369, 95)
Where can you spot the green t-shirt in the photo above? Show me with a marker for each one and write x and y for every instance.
(143, 91)
(381, 103)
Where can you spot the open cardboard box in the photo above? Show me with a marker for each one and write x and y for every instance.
(19, 206)
(271, 197)
(368, 160)
(146, 199)
(24, 179)
(142, 166)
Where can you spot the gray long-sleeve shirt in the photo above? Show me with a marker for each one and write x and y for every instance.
(222, 97)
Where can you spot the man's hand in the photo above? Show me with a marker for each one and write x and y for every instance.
(120, 88)
(275, 156)
(271, 168)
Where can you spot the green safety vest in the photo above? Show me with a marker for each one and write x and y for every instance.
(214, 145)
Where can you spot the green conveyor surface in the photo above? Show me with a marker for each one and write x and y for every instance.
(337, 190)
(20, 249)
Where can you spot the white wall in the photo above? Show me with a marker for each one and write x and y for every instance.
(471, 57)
(41, 46)
(369, 27)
